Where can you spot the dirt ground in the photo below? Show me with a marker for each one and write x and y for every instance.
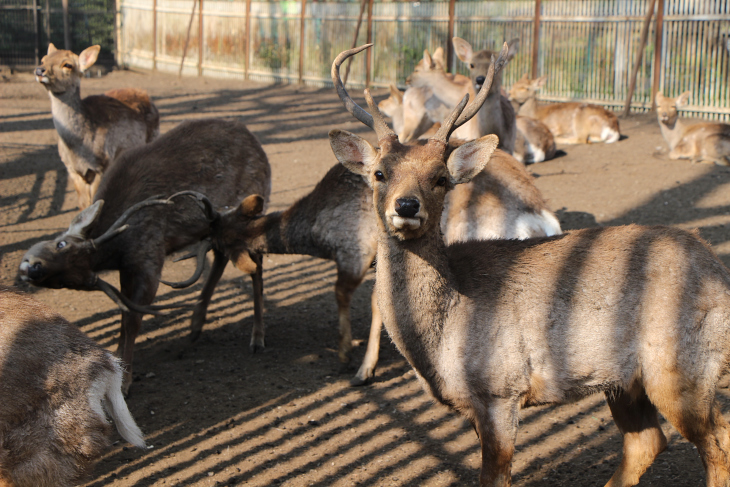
(215, 414)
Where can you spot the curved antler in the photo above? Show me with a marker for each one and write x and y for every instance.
(205, 246)
(118, 226)
(128, 305)
(203, 202)
(376, 121)
(460, 116)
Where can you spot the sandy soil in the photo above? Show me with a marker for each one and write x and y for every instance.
(215, 414)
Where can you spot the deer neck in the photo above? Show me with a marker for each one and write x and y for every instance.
(529, 108)
(286, 232)
(416, 291)
(672, 132)
(68, 115)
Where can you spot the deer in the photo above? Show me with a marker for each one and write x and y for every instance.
(92, 131)
(334, 222)
(131, 227)
(701, 142)
(640, 313)
(569, 122)
(58, 389)
(533, 142)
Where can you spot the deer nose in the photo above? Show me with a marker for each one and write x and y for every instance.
(32, 272)
(39, 71)
(407, 207)
(480, 80)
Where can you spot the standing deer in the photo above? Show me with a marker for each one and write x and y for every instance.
(335, 222)
(570, 122)
(123, 230)
(94, 130)
(56, 387)
(641, 313)
(701, 142)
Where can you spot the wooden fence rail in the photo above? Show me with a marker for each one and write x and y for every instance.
(587, 48)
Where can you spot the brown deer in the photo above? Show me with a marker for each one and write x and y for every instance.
(56, 388)
(415, 113)
(534, 141)
(701, 142)
(640, 313)
(335, 222)
(570, 122)
(125, 231)
(92, 131)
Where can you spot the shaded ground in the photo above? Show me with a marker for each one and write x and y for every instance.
(215, 414)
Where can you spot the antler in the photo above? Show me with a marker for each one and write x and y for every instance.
(128, 305)
(457, 118)
(374, 121)
(205, 246)
(119, 226)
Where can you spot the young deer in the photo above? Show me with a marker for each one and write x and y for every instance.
(414, 113)
(641, 313)
(94, 130)
(570, 122)
(534, 141)
(700, 142)
(56, 387)
(214, 157)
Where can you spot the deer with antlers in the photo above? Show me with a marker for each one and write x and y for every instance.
(640, 313)
(92, 131)
(131, 229)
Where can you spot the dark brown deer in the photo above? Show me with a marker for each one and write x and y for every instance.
(92, 131)
(218, 158)
(56, 388)
(640, 313)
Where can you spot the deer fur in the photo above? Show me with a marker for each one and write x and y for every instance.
(640, 313)
(701, 142)
(534, 141)
(215, 157)
(570, 122)
(415, 113)
(92, 131)
(56, 388)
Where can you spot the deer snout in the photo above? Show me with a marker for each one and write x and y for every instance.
(40, 74)
(31, 272)
(407, 207)
(480, 80)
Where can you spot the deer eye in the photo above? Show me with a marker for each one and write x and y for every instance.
(68, 66)
(61, 244)
(379, 176)
(471, 66)
(441, 181)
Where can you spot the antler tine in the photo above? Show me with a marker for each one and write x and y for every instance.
(381, 129)
(381, 126)
(202, 250)
(118, 226)
(205, 204)
(128, 305)
(447, 127)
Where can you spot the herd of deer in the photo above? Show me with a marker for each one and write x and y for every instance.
(493, 306)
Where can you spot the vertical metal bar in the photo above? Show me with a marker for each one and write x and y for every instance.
(639, 56)
(535, 39)
(154, 35)
(247, 50)
(66, 31)
(36, 28)
(200, 38)
(659, 32)
(369, 57)
(301, 41)
(449, 44)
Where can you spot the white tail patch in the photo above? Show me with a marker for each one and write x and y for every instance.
(609, 135)
(109, 387)
(529, 225)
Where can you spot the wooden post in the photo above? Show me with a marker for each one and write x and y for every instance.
(354, 40)
(48, 21)
(639, 57)
(657, 52)
(536, 39)
(154, 35)
(200, 38)
(247, 49)
(369, 52)
(66, 31)
(37, 28)
(187, 39)
(449, 44)
(301, 41)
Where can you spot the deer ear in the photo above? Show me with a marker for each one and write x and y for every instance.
(438, 56)
(252, 205)
(353, 152)
(462, 49)
(427, 60)
(659, 98)
(683, 99)
(540, 82)
(51, 49)
(396, 93)
(84, 221)
(514, 47)
(469, 159)
(88, 56)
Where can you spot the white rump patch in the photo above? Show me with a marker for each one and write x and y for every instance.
(609, 135)
(530, 225)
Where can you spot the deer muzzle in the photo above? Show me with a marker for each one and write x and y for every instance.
(31, 272)
(406, 215)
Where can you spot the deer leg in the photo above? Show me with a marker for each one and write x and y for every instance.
(344, 289)
(497, 430)
(201, 307)
(257, 278)
(637, 420)
(367, 369)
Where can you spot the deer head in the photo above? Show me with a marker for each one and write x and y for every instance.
(479, 62)
(667, 108)
(236, 230)
(410, 182)
(61, 70)
(526, 88)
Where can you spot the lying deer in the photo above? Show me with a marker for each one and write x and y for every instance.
(701, 142)
(94, 130)
(126, 231)
(56, 387)
(534, 141)
(334, 222)
(641, 313)
(570, 122)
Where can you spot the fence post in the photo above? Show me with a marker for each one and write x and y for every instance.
(36, 27)
(247, 49)
(66, 32)
(48, 21)
(154, 35)
(639, 56)
(536, 38)
(449, 42)
(657, 52)
(369, 52)
(200, 38)
(301, 41)
(187, 39)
